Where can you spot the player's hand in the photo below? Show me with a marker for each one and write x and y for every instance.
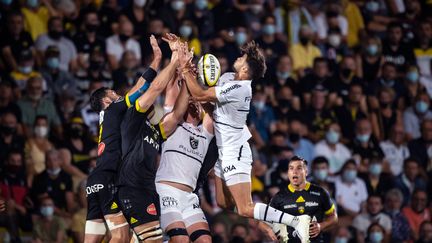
(314, 229)
(172, 40)
(157, 53)
(267, 231)
(185, 56)
(2, 205)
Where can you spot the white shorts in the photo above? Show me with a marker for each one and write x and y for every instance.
(234, 161)
(177, 205)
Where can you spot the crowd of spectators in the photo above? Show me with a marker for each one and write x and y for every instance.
(348, 87)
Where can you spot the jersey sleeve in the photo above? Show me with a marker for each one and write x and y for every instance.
(119, 106)
(161, 130)
(131, 124)
(229, 92)
(277, 201)
(327, 204)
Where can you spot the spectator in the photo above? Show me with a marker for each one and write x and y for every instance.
(36, 147)
(320, 75)
(355, 23)
(262, 116)
(55, 37)
(203, 17)
(370, 59)
(117, 44)
(373, 214)
(332, 149)
(33, 105)
(400, 226)
(413, 86)
(7, 102)
(126, 75)
(284, 75)
(108, 14)
(417, 212)
(174, 13)
(189, 32)
(346, 76)
(425, 235)
(295, 18)
(389, 79)
(423, 47)
(320, 174)
(304, 52)
(420, 147)
(375, 233)
(301, 146)
(239, 233)
(79, 218)
(49, 228)
(329, 20)
(157, 28)
(377, 181)
(414, 115)
(36, 17)
(138, 13)
(410, 179)
(343, 234)
(334, 48)
(15, 40)
(67, 106)
(365, 145)
(395, 149)
(9, 137)
(25, 71)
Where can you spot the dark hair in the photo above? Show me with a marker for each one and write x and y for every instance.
(394, 25)
(349, 161)
(15, 151)
(409, 160)
(298, 158)
(96, 99)
(40, 117)
(320, 160)
(386, 64)
(320, 59)
(52, 20)
(14, 14)
(255, 60)
(375, 224)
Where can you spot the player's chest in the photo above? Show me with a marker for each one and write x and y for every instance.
(150, 138)
(301, 204)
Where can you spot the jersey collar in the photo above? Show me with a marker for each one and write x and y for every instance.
(291, 188)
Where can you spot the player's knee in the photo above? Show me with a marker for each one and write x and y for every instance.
(178, 235)
(120, 235)
(149, 234)
(179, 239)
(203, 239)
(201, 236)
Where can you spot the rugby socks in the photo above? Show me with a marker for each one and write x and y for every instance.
(269, 214)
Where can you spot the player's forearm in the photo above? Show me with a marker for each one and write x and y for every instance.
(155, 64)
(181, 104)
(194, 88)
(329, 222)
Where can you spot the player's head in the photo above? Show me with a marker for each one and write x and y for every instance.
(297, 170)
(252, 63)
(102, 98)
(194, 111)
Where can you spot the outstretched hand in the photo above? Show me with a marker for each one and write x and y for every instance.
(172, 40)
(157, 53)
(185, 56)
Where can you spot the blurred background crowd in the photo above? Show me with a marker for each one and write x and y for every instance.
(348, 88)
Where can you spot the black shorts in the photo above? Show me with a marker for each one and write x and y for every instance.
(139, 206)
(101, 196)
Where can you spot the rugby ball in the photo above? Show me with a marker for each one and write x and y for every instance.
(209, 70)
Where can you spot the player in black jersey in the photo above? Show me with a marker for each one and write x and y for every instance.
(141, 142)
(101, 191)
(302, 197)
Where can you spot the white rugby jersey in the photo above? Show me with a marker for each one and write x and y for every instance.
(231, 111)
(183, 154)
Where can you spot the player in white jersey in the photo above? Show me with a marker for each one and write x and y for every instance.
(233, 170)
(182, 157)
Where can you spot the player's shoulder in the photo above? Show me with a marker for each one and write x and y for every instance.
(316, 190)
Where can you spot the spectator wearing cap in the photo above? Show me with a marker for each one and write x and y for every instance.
(116, 45)
(423, 48)
(392, 207)
(421, 147)
(36, 16)
(370, 59)
(15, 39)
(57, 79)
(413, 116)
(395, 149)
(346, 75)
(10, 139)
(55, 37)
(262, 116)
(301, 146)
(417, 212)
(320, 75)
(332, 149)
(7, 102)
(386, 116)
(304, 53)
(410, 179)
(34, 104)
(365, 145)
(25, 70)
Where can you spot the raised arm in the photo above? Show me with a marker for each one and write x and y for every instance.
(171, 94)
(169, 121)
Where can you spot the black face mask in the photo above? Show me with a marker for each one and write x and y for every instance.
(91, 28)
(284, 104)
(385, 105)
(95, 65)
(55, 34)
(123, 37)
(14, 169)
(76, 132)
(294, 137)
(304, 40)
(346, 72)
(6, 130)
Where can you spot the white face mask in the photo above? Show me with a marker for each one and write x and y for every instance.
(41, 131)
(334, 40)
(140, 3)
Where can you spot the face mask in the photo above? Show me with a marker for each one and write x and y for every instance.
(376, 237)
(421, 106)
(256, 8)
(349, 175)
(283, 75)
(56, 35)
(201, 4)
(35, 97)
(294, 137)
(259, 105)
(6, 130)
(41, 131)
(53, 62)
(177, 5)
(240, 38)
(94, 65)
(372, 6)
(185, 31)
(76, 132)
(412, 76)
(91, 28)
(6, 2)
(14, 169)
(372, 49)
(25, 69)
(123, 37)
(385, 105)
(47, 211)
(332, 137)
(363, 138)
(54, 172)
(321, 174)
(346, 72)
(140, 3)
(341, 240)
(334, 40)
(375, 169)
(269, 29)
(304, 40)
(32, 3)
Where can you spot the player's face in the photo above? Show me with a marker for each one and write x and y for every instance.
(239, 63)
(194, 109)
(297, 172)
(110, 97)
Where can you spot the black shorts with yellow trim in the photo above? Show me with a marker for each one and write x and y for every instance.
(139, 206)
(101, 196)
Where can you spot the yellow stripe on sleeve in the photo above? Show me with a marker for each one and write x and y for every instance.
(331, 210)
(128, 101)
(138, 107)
(162, 130)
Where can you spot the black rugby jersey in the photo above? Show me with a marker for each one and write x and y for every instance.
(313, 201)
(141, 142)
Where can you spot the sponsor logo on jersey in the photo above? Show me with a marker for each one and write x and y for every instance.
(151, 209)
(191, 151)
(301, 209)
(229, 89)
(94, 188)
(152, 142)
(196, 205)
(114, 206)
(311, 204)
(133, 220)
(101, 148)
(315, 193)
(229, 168)
(169, 202)
(193, 142)
(300, 200)
(290, 206)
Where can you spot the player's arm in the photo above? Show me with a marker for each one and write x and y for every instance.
(170, 121)
(197, 91)
(171, 94)
(330, 216)
(148, 76)
(208, 123)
